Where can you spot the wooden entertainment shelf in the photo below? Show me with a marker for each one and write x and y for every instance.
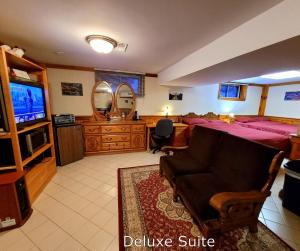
(37, 169)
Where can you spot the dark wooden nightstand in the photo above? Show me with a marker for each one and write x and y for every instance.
(295, 151)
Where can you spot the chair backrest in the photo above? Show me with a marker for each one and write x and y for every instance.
(164, 127)
(204, 144)
(243, 164)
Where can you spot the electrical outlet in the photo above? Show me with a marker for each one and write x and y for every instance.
(7, 223)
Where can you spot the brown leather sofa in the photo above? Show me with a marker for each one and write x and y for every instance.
(223, 180)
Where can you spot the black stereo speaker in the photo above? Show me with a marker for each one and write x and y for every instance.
(22, 197)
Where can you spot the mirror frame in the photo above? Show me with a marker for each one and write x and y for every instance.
(96, 113)
(129, 116)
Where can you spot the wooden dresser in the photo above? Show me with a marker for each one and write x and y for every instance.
(114, 136)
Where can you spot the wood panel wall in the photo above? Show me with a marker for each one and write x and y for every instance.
(154, 118)
(177, 118)
(148, 118)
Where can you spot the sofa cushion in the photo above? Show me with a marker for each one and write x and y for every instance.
(242, 163)
(203, 144)
(180, 164)
(196, 190)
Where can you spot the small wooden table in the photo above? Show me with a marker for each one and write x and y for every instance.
(178, 137)
(295, 151)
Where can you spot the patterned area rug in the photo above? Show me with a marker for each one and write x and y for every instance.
(150, 220)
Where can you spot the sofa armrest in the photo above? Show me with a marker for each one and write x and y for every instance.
(231, 203)
(168, 149)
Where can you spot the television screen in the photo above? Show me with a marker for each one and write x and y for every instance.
(28, 102)
(3, 117)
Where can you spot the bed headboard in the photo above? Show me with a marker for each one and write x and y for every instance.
(209, 115)
(192, 115)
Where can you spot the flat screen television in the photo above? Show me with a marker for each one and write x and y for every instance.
(3, 116)
(29, 103)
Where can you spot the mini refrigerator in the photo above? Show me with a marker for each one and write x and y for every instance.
(68, 143)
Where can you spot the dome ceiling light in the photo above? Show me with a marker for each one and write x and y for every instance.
(101, 44)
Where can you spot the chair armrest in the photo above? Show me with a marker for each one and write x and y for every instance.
(168, 149)
(223, 201)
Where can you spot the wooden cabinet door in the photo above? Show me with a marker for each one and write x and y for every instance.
(9, 203)
(295, 151)
(92, 143)
(70, 143)
(138, 140)
(179, 137)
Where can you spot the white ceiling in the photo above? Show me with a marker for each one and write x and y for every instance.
(158, 32)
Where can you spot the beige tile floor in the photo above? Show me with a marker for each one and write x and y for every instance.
(78, 209)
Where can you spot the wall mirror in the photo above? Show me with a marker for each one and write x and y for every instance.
(102, 99)
(125, 100)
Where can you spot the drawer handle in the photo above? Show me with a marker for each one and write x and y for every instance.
(107, 129)
(123, 128)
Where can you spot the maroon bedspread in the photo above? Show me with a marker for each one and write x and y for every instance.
(271, 126)
(279, 141)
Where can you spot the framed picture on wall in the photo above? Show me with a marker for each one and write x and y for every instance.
(71, 89)
(175, 95)
(292, 96)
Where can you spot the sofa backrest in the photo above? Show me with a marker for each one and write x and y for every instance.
(242, 164)
(203, 144)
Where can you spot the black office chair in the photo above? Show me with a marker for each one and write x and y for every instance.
(162, 134)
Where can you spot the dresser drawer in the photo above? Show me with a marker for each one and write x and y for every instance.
(115, 146)
(138, 128)
(92, 129)
(112, 129)
(115, 138)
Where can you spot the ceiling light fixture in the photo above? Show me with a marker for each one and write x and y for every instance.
(101, 44)
(282, 75)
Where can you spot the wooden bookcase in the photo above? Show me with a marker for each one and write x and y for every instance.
(38, 175)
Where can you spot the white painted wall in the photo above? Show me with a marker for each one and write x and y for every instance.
(200, 99)
(276, 24)
(70, 104)
(277, 106)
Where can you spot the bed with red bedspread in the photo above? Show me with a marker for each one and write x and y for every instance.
(277, 140)
(267, 125)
